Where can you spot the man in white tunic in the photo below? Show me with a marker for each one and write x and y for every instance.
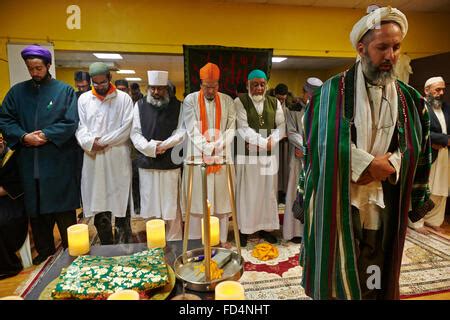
(210, 120)
(293, 228)
(439, 126)
(104, 132)
(154, 134)
(261, 125)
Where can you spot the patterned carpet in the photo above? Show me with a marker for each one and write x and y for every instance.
(425, 267)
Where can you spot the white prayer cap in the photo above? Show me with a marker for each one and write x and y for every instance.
(312, 83)
(158, 78)
(433, 80)
(373, 20)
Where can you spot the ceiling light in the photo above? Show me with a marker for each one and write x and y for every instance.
(108, 56)
(126, 71)
(278, 59)
(133, 79)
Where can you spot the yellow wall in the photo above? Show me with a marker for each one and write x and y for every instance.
(4, 71)
(164, 26)
(67, 75)
(295, 79)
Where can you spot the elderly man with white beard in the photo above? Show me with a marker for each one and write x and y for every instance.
(440, 140)
(367, 162)
(154, 134)
(261, 125)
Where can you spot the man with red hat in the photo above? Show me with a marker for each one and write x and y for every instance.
(210, 121)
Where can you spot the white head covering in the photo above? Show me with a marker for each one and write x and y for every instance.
(312, 83)
(373, 20)
(433, 80)
(158, 78)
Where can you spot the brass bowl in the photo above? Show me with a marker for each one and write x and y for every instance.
(232, 270)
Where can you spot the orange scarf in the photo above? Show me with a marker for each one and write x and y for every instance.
(112, 88)
(204, 123)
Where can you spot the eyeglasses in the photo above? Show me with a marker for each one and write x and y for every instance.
(103, 83)
(385, 124)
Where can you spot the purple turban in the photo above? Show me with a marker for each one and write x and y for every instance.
(37, 51)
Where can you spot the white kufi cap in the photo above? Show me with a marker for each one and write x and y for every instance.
(312, 83)
(433, 80)
(158, 78)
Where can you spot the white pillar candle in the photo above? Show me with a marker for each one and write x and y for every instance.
(12, 298)
(156, 234)
(78, 239)
(124, 295)
(214, 238)
(229, 290)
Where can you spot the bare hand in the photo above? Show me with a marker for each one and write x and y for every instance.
(298, 153)
(364, 179)
(436, 146)
(160, 150)
(269, 144)
(3, 192)
(380, 168)
(97, 146)
(35, 139)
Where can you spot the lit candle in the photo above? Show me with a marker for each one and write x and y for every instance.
(214, 238)
(12, 298)
(124, 295)
(78, 239)
(229, 290)
(156, 234)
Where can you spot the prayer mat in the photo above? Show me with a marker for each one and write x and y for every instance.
(425, 265)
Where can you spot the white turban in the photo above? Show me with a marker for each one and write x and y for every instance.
(433, 80)
(158, 78)
(373, 20)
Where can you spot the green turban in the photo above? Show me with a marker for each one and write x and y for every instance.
(256, 74)
(98, 68)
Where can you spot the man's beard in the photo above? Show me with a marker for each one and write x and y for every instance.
(257, 98)
(434, 101)
(102, 92)
(376, 76)
(40, 80)
(161, 102)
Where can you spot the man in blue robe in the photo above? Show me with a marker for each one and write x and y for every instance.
(39, 118)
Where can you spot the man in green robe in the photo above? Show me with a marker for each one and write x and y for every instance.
(367, 161)
(38, 119)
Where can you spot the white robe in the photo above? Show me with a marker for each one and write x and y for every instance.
(196, 146)
(158, 188)
(438, 182)
(291, 226)
(257, 176)
(375, 124)
(106, 175)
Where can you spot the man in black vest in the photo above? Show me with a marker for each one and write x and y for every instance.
(154, 133)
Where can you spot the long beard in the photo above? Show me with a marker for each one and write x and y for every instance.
(257, 98)
(374, 75)
(434, 102)
(163, 101)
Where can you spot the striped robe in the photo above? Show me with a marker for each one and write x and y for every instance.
(328, 253)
